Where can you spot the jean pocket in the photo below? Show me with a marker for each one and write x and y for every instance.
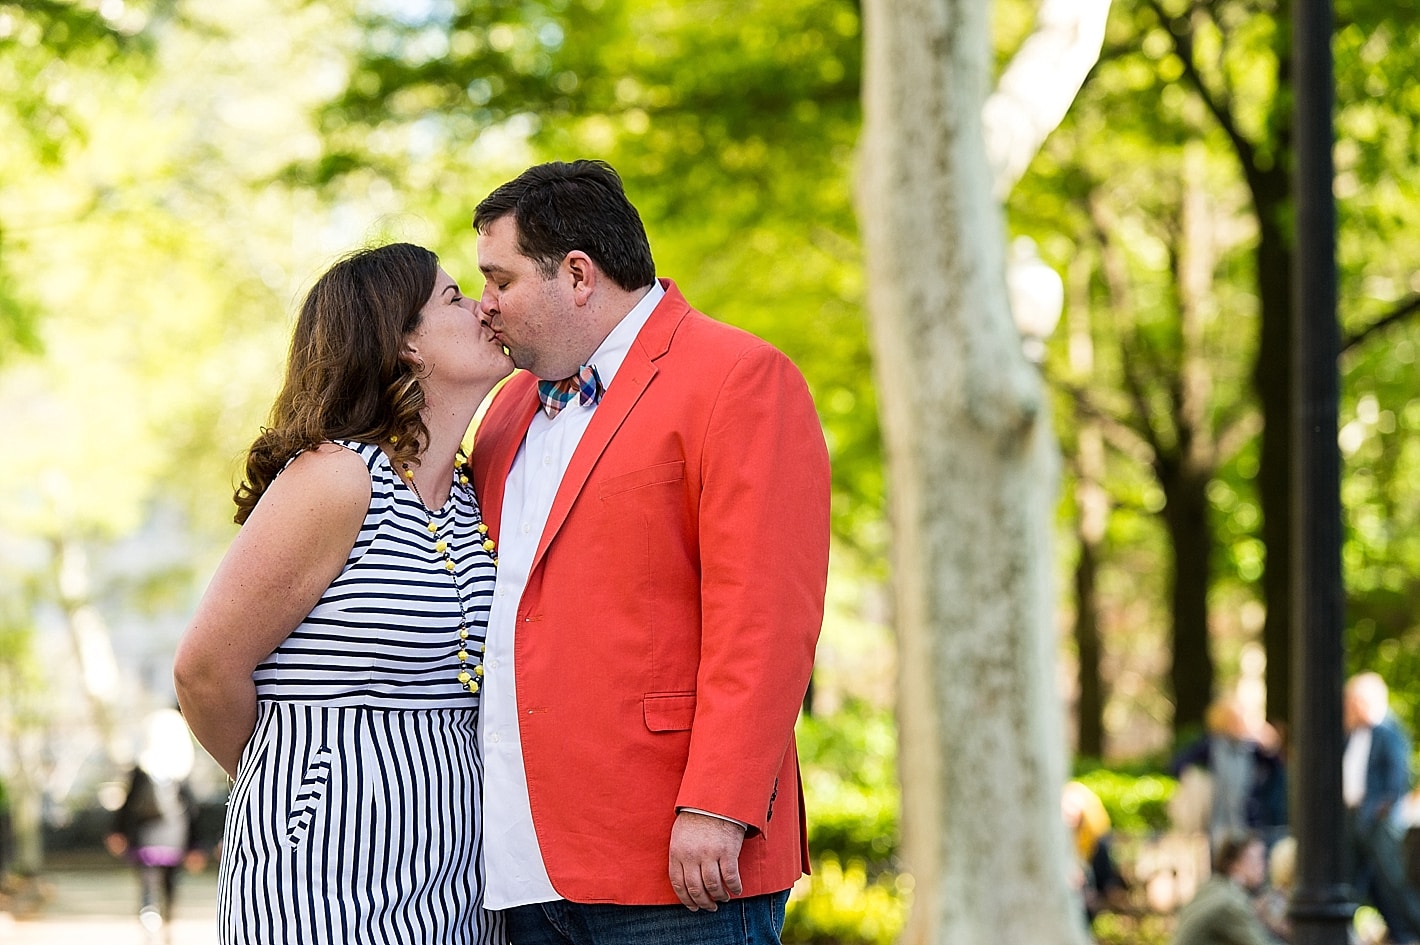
(309, 795)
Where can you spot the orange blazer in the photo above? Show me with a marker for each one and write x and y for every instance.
(666, 635)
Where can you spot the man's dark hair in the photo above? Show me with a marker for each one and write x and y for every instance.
(560, 207)
(1231, 848)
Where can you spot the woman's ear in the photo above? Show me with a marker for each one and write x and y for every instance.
(409, 354)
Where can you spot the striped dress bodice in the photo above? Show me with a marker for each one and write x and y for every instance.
(385, 633)
(356, 814)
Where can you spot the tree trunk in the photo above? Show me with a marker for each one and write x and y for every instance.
(1089, 707)
(1091, 523)
(972, 466)
(92, 643)
(1185, 475)
(1191, 537)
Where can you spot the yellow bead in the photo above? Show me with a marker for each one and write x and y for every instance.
(448, 565)
(463, 480)
(488, 545)
(473, 687)
(483, 647)
(463, 633)
(464, 677)
(440, 545)
(463, 655)
(433, 529)
(482, 528)
(478, 670)
(408, 473)
(394, 437)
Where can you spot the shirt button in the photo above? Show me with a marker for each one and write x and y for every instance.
(526, 528)
(547, 460)
(493, 738)
(492, 664)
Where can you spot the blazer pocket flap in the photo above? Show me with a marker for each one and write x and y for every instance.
(650, 476)
(668, 711)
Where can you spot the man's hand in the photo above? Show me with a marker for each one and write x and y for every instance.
(705, 860)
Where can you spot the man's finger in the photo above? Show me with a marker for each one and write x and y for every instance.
(730, 872)
(701, 891)
(678, 885)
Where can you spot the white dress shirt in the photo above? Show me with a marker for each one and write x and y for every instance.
(513, 864)
(1354, 761)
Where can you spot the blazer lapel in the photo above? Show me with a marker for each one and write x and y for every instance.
(503, 428)
(631, 381)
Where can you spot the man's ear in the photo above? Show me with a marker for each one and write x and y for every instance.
(584, 275)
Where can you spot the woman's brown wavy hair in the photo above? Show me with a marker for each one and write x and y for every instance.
(345, 378)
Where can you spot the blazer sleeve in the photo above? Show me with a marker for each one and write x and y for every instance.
(1395, 756)
(763, 542)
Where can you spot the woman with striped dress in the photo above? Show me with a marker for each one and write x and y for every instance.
(332, 667)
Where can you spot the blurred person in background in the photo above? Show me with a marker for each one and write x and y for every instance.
(1245, 772)
(1222, 912)
(1098, 878)
(1375, 779)
(156, 828)
(1273, 902)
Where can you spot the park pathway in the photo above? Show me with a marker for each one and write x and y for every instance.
(98, 905)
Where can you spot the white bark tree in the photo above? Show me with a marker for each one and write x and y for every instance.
(972, 462)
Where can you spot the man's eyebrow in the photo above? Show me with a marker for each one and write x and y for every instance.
(490, 267)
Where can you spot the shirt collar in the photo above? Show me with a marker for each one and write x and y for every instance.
(617, 344)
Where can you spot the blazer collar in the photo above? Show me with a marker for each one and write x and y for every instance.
(507, 429)
(632, 380)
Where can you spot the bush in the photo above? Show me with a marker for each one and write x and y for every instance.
(849, 763)
(1137, 803)
(854, 895)
(840, 905)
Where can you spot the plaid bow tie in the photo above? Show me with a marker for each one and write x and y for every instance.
(585, 385)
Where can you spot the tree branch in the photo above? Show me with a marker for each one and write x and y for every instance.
(1406, 307)
(1181, 32)
(1137, 444)
(1236, 434)
(1039, 84)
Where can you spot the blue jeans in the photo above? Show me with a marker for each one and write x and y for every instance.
(755, 920)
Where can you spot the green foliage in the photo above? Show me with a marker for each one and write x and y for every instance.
(850, 781)
(1136, 802)
(1113, 928)
(841, 904)
(854, 895)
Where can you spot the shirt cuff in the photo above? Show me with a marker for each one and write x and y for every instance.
(695, 810)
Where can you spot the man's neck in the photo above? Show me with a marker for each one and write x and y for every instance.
(611, 312)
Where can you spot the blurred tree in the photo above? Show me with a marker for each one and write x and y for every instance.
(38, 42)
(740, 165)
(1106, 194)
(22, 723)
(971, 460)
(153, 258)
(1235, 60)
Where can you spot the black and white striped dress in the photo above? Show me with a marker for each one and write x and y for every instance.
(356, 817)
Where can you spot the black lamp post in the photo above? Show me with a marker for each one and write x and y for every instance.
(1321, 907)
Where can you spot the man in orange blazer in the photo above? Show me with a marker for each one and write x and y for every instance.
(658, 487)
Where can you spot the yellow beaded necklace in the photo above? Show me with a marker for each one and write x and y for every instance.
(468, 680)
